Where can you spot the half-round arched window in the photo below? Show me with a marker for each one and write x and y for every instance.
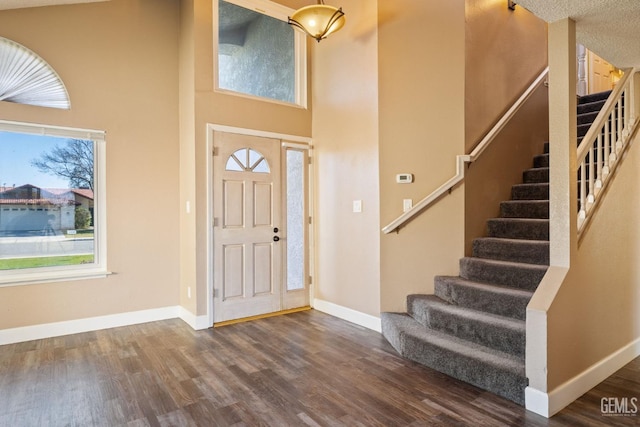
(247, 160)
(26, 78)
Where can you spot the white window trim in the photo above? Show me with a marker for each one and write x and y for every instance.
(282, 13)
(71, 272)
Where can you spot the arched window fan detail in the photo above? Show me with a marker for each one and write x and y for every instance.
(26, 78)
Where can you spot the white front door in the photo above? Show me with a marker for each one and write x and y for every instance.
(247, 221)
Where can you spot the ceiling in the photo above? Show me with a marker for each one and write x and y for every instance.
(610, 28)
(16, 4)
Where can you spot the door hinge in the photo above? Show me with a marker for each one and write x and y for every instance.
(215, 221)
(309, 161)
(310, 280)
(310, 220)
(215, 151)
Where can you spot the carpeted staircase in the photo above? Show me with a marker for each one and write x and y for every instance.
(473, 327)
(588, 108)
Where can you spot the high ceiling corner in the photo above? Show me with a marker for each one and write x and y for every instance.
(20, 4)
(610, 28)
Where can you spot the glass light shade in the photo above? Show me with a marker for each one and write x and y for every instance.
(318, 20)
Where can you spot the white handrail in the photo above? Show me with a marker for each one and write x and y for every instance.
(465, 158)
(601, 148)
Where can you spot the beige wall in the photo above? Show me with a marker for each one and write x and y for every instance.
(505, 51)
(345, 134)
(118, 60)
(421, 102)
(597, 310)
(219, 108)
(188, 288)
(490, 178)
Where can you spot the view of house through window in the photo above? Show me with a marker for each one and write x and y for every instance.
(47, 212)
(256, 53)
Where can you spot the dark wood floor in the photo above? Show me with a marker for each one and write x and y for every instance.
(301, 369)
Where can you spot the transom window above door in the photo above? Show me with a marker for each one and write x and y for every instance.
(247, 160)
(258, 53)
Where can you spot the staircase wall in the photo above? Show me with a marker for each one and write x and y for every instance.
(596, 311)
(489, 179)
(504, 52)
(421, 130)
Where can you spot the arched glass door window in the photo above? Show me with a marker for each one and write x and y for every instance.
(247, 160)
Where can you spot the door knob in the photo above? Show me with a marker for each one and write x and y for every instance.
(276, 229)
(276, 238)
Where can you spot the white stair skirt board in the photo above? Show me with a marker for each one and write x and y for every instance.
(549, 404)
(56, 329)
(362, 319)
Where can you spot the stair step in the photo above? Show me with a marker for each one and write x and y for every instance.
(496, 332)
(583, 129)
(514, 250)
(541, 161)
(525, 209)
(500, 300)
(593, 97)
(589, 107)
(535, 175)
(491, 370)
(587, 117)
(539, 191)
(519, 228)
(506, 273)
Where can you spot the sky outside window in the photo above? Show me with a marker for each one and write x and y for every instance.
(17, 151)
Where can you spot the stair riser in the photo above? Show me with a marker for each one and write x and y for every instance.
(514, 306)
(588, 117)
(525, 209)
(541, 161)
(506, 339)
(464, 367)
(523, 276)
(531, 253)
(523, 229)
(530, 192)
(534, 176)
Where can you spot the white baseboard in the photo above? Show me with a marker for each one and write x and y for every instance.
(196, 322)
(365, 320)
(548, 404)
(56, 329)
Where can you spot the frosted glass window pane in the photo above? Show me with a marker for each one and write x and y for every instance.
(254, 157)
(295, 220)
(233, 165)
(261, 167)
(256, 54)
(247, 160)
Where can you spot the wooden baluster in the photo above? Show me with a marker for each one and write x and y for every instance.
(606, 141)
(619, 123)
(592, 178)
(583, 190)
(600, 162)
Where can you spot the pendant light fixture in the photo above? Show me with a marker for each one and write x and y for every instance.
(319, 20)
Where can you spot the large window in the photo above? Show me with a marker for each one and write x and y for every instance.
(258, 53)
(52, 221)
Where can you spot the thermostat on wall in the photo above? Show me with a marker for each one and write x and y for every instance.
(404, 178)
